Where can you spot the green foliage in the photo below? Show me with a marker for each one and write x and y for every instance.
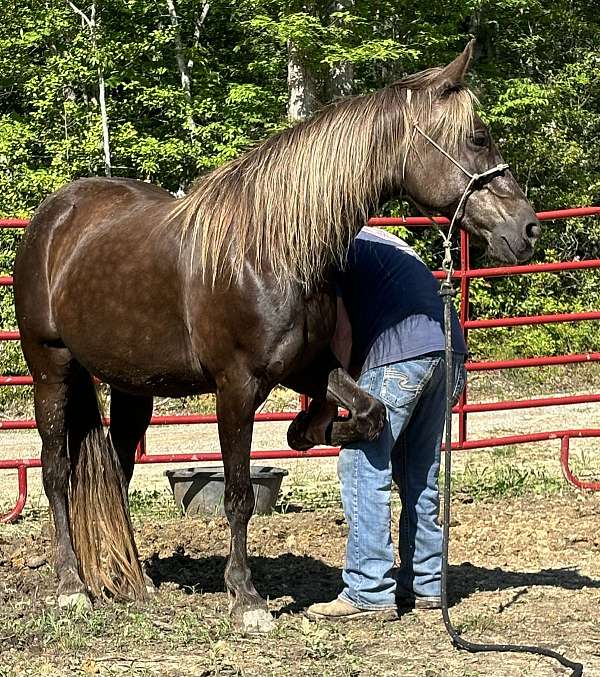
(152, 503)
(504, 480)
(537, 74)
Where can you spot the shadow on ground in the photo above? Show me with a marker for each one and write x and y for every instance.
(304, 579)
(307, 580)
(466, 579)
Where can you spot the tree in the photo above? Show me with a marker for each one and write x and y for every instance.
(92, 26)
(340, 78)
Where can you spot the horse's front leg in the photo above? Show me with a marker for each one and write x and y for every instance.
(331, 386)
(236, 403)
(367, 415)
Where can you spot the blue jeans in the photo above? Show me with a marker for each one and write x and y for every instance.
(407, 451)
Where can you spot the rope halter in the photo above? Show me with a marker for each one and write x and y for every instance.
(476, 182)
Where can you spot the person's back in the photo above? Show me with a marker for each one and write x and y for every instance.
(392, 302)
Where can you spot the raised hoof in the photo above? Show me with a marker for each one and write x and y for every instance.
(257, 621)
(78, 601)
(296, 433)
(378, 419)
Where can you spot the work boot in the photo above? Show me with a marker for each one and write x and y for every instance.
(340, 610)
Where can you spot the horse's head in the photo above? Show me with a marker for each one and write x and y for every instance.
(440, 121)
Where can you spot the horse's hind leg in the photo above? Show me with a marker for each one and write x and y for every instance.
(51, 401)
(129, 419)
(236, 402)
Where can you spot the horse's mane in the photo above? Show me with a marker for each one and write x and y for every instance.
(294, 203)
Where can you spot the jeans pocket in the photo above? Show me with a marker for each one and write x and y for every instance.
(403, 382)
(460, 378)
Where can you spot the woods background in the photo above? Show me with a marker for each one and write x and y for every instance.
(164, 90)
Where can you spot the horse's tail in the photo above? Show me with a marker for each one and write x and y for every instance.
(100, 526)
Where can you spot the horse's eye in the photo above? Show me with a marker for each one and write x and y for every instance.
(480, 138)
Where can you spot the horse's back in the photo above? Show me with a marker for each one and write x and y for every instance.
(99, 270)
(79, 206)
(62, 221)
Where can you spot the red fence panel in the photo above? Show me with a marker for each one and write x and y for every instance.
(463, 275)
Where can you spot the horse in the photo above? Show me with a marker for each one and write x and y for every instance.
(228, 289)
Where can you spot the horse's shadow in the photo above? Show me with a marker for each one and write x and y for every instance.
(303, 579)
(307, 580)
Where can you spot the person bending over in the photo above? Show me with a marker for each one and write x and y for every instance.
(390, 332)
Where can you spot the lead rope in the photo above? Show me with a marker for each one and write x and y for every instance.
(476, 182)
(447, 292)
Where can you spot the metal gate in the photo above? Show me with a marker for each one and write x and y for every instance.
(463, 275)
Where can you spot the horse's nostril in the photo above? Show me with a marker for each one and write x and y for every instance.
(532, 230)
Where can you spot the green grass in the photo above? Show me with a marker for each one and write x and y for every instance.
(533, 382)
(502, 480)
(476, 622)
(153, 503)
(499, 479)
(310, 494)
(508, 452)
(68, 630)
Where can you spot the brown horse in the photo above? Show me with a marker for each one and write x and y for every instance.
(226, 290)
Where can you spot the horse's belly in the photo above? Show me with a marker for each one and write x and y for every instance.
(135, 356)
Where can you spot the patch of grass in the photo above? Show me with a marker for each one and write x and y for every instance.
(504, 481)
(585, 464)
(310, 495)
(69, 630)
(196, 404)
(509, 384)
(509, 451)
(153, 503)
(75, 630)
(192, 625)
(280, 399)
(317, 639)
(480, 623)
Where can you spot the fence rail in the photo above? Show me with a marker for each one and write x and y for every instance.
(463, 275)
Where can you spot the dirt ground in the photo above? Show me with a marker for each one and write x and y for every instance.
(523, 570)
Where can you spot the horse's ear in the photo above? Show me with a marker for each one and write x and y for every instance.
(453, 75)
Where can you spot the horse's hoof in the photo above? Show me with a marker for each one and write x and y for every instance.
(78, 601)
(378, 421)
(151, 589)
(257, 621)
(296, 433)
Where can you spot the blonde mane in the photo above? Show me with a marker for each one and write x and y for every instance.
(293, 204)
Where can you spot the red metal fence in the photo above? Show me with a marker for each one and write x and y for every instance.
(464, 275)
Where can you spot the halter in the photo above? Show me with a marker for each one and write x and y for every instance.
(476, 182)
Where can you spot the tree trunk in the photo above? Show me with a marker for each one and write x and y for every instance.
(90, 22)
(301, 86)
(340, 79)
(104, 118)
(182, 64)
(198, 22)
